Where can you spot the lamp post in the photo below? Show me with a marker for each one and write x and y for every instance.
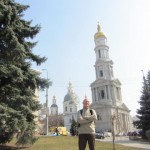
(47, 112)
(113, 118)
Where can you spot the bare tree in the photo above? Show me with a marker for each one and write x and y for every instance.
(56, 120)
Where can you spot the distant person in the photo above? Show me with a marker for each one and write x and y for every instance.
(86, 118)
(57, 132)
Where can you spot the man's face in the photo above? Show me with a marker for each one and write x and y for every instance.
(86, 104)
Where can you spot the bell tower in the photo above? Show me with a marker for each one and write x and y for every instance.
(54, 107)
(106, 89)
(103, 64)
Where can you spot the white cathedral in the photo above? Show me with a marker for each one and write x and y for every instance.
(70, 107)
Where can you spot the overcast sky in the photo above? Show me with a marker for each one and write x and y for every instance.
(67, 40)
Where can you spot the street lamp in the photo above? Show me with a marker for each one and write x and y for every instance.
(46, 104)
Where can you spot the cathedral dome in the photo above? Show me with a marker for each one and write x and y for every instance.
(72, 102)
(99, 33)
(54, 105)
(71, 95)
(67, 97)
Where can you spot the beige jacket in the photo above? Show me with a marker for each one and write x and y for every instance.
(86, 121)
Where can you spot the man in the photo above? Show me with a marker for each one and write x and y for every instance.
(86, 130)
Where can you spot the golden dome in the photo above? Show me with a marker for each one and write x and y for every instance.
(99, 33)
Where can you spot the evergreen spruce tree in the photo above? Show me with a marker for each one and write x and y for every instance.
(18, 81)
(144, 111)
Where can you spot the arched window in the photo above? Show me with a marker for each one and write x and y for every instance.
(66, 108)
(102, 94)
(99, 53)
(101, 73)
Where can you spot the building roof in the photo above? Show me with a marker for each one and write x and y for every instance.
(67, 97)
(54, 105)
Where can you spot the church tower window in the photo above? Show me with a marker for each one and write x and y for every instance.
(102, 94)
(70, 109)
(117, 90)
(99, 53)
(65, 108)
(101, 73)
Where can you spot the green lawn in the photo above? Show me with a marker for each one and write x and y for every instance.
(68, 143)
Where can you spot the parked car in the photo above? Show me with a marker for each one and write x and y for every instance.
(135, 133)
(99, 135)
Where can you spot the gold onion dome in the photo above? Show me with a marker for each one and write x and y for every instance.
(99, 33)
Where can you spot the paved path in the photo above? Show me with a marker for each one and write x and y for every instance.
(125, 141)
